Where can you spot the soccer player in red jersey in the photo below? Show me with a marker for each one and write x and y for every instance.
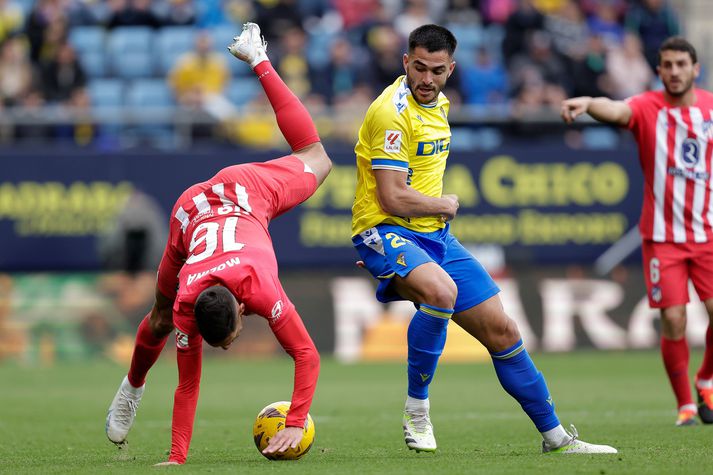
(674, 132)
(219, 265)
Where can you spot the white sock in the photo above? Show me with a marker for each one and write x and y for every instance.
(556, 437)
(688, 407)
(413, 404)
(704, 383)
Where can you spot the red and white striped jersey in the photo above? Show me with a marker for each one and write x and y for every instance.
(675, 145)
(219, 236)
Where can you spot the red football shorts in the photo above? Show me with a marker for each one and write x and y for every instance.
(668, 266)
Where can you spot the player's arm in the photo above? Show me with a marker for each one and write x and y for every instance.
(189, 357)
(398, 199)
(600, 108)
(297, 343)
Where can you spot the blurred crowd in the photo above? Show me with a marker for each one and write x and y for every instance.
(517, 56)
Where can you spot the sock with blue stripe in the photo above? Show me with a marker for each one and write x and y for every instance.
(521, 379)
(426, 339)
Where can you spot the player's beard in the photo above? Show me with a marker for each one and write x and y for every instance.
(433, 93)
(687, 85)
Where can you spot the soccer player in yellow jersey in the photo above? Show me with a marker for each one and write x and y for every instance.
(400, 229)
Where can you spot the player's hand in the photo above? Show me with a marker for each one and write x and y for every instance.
(453, 208)
(289, 437)
(573, 108)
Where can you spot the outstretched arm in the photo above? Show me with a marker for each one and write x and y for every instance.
(297, 343)
(600, 108)
(189, 356)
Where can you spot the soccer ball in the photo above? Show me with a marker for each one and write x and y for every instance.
(270, 421)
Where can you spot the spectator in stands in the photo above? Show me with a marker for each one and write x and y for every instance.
(275, 17)
(11, 19)
(541, 55)
(518, 27)
(568, 29)
(590, 72)
(81, 130)
(15, 71)
(496, 11)
(63, 75)
(175, 12)
(628, 69)
(414, 14)
(132, 13)
(341, 75)
(291, 61)
(485, 81)
(200, 75)
(31, 128)
(46, 23)
(463, 12)
(653, 21)
(604, 22)
(386, 51)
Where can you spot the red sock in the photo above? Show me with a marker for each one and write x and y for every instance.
(675, 359)
(146, 351)
(706, 371)
(294, 121)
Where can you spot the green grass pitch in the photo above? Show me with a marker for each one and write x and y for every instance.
(52, 419)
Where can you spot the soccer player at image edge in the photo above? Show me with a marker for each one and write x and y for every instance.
(674, 131)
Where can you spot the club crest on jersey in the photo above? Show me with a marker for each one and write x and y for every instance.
(276, 312)
(656, 293)
(708, 129)
(401, 260)
(392, 141)
(690, 153)
(181, 339)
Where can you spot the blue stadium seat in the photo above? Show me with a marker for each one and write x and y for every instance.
(87, 39)
(130, 38)
(240, 91)
(318, 45)
(171, 43)
(133, 65)
(144, 93)
(106, 92)
(93, 63)
(223, 35)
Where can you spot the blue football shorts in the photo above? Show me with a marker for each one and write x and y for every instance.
(394, 250)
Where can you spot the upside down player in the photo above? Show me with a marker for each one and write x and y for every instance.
(674, 131)
(400, 231)
(219, 265)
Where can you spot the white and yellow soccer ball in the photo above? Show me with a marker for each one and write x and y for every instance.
(270, 421)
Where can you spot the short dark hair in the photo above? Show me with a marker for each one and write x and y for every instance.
(678, 43)
(215, 314)
(432, 38)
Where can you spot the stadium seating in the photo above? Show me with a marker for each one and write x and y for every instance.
(171, 42)
(242, 90)
(106, 92)
(147, 93)
(130, 51)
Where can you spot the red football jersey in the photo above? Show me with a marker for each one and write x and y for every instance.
(219, 236)
(675, 145)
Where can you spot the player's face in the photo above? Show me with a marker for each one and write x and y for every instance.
(225, 344)
(426, 73)
(677, 72)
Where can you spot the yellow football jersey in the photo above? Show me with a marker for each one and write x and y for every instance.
(400, 134)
